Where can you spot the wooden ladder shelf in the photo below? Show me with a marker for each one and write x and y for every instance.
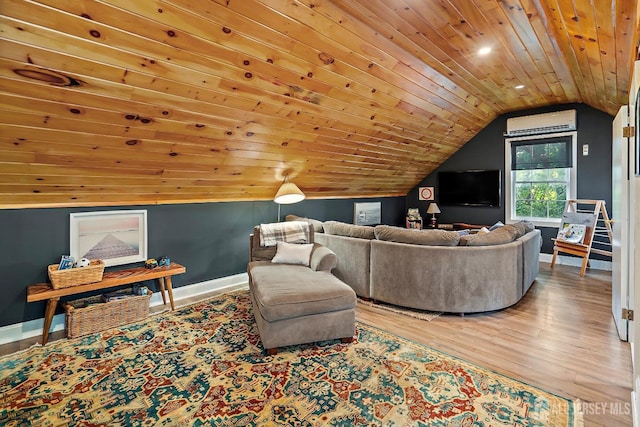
(592, 214)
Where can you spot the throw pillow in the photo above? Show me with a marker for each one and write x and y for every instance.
(417, 237)
(523, 227)
(349, 230)
(499, 236)
(293, 253)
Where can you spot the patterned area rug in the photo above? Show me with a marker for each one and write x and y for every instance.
(204, 365)
(417, 314)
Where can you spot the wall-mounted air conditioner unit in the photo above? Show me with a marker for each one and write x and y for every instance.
(560, 121)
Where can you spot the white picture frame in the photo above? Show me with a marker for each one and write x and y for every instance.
(115, 237)
(369, 213)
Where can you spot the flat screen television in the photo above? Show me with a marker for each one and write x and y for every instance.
(469, 188)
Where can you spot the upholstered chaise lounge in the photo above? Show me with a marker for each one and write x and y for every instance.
(295, 297)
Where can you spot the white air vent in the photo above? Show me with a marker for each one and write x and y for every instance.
(560, 121)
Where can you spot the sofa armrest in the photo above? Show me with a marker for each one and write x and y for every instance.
(322, 258)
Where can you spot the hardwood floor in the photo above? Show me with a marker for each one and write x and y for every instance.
(560, 337)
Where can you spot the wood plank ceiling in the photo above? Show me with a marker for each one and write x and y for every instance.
(120, 102)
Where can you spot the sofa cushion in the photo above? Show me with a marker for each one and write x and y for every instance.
(499, 236)
(523, 227)
(349, 230)
(277, 289)
(417, 237)
(318, 226)
(293, 253)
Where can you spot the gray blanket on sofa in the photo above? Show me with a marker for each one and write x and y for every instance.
(291, 232)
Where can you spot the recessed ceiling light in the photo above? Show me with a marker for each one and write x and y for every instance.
(519, 87)
(484, 51)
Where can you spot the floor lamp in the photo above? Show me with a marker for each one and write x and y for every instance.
(287, 194)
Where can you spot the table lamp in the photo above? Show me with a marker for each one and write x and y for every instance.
(433, 209)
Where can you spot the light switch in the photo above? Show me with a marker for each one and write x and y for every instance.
(585, 149)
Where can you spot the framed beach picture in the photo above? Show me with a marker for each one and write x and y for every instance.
(367, 213)
(116, 237)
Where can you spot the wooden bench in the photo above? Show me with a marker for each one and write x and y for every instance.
(44, 291)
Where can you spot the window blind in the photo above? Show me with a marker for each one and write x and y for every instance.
(548, 153)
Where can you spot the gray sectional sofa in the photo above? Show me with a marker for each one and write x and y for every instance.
(435, 269)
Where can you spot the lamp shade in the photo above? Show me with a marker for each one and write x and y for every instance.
(433, 208)
(288, 193)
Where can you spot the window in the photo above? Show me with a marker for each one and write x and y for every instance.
(541, 177)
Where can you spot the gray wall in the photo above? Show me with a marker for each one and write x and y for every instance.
(486, 151)
(210, 239)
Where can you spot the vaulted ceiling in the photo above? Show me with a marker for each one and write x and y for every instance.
(119, 102)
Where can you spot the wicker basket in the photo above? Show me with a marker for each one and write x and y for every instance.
(76, 276)
(89, 315)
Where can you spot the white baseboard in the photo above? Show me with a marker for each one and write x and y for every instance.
(596, 264)
(33, 328)
(635, 393)
(635, 402)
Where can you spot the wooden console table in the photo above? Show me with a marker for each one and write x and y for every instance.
(44, 291)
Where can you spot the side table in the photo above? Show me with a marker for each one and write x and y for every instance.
(44, 291)
(465, 226)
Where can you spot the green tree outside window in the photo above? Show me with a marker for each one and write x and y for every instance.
(541, 178)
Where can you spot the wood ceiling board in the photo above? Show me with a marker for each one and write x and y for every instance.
(65, 130)
(140, 156)
(377, 132)
(205, 95)
(333, 79)
(351, 50)
(183, 90)
(334, 10)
